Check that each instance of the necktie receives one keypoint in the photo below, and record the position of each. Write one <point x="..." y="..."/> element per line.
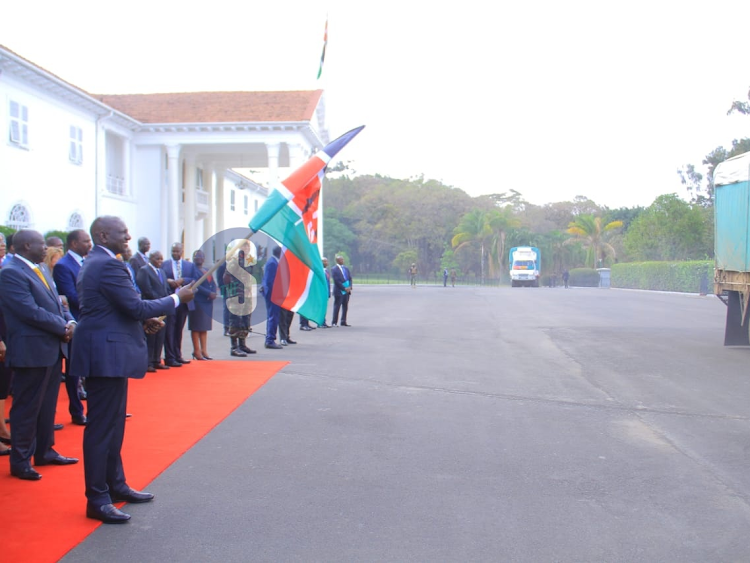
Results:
<point x="161" y="278"/>
<point x="41" y="276"/>
<point x="178" y="268"/>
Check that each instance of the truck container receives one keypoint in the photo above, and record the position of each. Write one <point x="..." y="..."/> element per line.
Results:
<point x="525" y="266"/>
<point x="732" y="245"/>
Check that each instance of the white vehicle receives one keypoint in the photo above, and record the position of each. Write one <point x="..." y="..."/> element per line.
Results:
<point x="524" y="264"/>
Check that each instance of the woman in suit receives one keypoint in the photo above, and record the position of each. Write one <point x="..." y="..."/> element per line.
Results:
<point x="201" y="309"/>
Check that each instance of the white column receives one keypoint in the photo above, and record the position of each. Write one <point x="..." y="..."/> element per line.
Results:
<point x="273" y="163"/>
<point x="221" y="202"/>
<point x="208" y="185"/>
<point x="174" y="200"/>
<point x="189" y="182"/>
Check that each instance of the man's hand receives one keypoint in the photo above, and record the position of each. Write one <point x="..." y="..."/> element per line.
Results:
<point x="2" y="351"/>
<point x="69" y="329"/>
<point x="186" y="293"/>
<point x="153" y="325"/>
<point x="211" y="296"/>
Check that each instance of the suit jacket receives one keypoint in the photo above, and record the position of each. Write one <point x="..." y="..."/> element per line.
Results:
<point x="65" y="274"/>
<point x="137" y="261"/>
<point x="109" y="340"/>
<point x="188" y="272"/>
<point x="339" y="278"/>
<point x="269" y="276"/>
<point x="151" y="286"/>
<point x="34" y="317"/>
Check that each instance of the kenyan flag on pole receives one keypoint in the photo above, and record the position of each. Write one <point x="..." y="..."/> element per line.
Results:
<point x="290" y="216"/>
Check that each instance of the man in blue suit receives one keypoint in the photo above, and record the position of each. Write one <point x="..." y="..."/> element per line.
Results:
<point x="110" y="347"/>
<point x="179" y="273"/>
<point x="273" y="310"/>
<point x="38" y="332"/>
<point x="65" y="274"/>
<point x="342" y="289"/>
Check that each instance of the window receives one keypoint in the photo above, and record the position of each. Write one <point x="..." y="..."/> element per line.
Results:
<point x="231" y="201"/>
<point x="75" y="152"/>
<point x="256" y="205"/>
<point x="116" y="164"/>
<point x="199" y="178"/>
<point x="246" y="201"/>
<point x="19" y="124"/>
<point x="19" y="217"/>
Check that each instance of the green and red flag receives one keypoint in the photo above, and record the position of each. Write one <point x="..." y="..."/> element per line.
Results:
<point x="290" y="216"/>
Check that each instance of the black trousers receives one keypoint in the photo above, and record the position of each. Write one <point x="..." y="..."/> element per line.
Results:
<point x="173" y="338"/>
<point x="285" y="323"/>
<point x="102" y="438"/>
<point x="75" y="406"/>
<point x="155" y="345"/>
<point x="340" y="302"/>
<point x="32" y="414"/>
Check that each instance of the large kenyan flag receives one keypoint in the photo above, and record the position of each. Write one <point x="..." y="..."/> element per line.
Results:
<point x="290" y="216"/>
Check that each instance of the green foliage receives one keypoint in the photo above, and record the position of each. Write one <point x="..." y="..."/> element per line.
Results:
<point x="594" y="235"/>
<point x="404" y="260"/>
<point x="663" y="276"/>
<point x="703" y="195"/>
<point x="62" y="235"/>
<point x="7" y="230"/>
<point x="336" y="235"/>
<point x="584" y="277"/>
<point x="448" y="260"/>
<point x="670" y="229"/>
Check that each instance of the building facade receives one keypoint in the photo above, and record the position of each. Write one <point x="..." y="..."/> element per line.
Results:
<point x="175" y="167"/>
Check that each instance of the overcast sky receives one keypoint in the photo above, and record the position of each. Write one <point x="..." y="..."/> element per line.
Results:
<point x="553" y="99"/>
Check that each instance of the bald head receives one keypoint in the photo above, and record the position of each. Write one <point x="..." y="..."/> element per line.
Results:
<point x="111" y="233"/>
<point x="30" y="244"/>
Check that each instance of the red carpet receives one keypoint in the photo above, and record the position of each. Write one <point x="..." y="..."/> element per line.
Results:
<point x="200" y="396"/>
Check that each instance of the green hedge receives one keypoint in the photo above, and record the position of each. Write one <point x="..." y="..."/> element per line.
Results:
<point x="687" y="277"/>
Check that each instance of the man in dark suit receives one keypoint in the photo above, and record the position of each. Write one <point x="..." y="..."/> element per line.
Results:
<point x="110" y="348"/>
<point x="141" y="257"/>
<point x="273" y="310"/>
<point x="65" y="274"/>
<point x="153" y="283"/>
<point x="342" y="289"/>
<point x="179" y="273"/>
<point x="38" y="332"/>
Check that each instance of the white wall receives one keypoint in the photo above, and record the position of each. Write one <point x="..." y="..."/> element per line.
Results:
<point x="42" y="177"/>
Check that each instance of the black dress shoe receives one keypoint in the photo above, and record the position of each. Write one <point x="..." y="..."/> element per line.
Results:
<point x="161" y="366"/>
<point x="290" y="341"/>
<point x="324" y="326"/>
<point x="80" y="420"/>
<point x="58" y="427"/>
<point x="27" y="474"/>
<point x="107" y="513"/>
<point x="151" y="369"/>
<point x="246" y="349"/>
<point x="132" y="496"/>
<point x="174" y="365"/>
<point x="305" y="328"/>
<point x="237" y="353"/>
<point x="5" y="441"/>
<point x="59" y="460"/>
<point x="6" y="451"/>
<point x="345" y="324"/>
<point x="183" y="361"/>
<point x="274" y="346"/>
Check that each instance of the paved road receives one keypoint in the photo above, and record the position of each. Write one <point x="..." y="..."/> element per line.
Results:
<point x="472" y="424"/>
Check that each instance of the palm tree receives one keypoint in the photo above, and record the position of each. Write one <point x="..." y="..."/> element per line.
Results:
<point x="588" y="230"/>
<point x="473" y="230"/>
<point x="500" y="222"/>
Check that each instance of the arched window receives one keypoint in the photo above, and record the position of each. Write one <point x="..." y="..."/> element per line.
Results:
<point x="19" y="217"/>
<point x="75" y="222"/>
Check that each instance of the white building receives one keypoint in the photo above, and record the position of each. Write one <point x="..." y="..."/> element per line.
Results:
<point x="171" y="165"/>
